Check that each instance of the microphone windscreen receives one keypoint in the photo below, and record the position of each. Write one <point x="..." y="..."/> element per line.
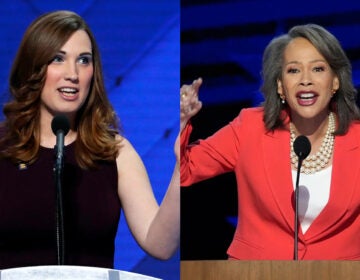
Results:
<point x="302" y="147"/>
<point x="60" y="122"/>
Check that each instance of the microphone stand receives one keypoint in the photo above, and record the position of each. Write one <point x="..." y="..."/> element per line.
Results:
<point x="296" y="225"/>
<point x="59" y="201"/>
<point x="302" y="148"/>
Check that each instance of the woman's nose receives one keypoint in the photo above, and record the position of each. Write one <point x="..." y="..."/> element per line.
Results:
<point x="72" y="73"/>
<point x="306" y="78"/>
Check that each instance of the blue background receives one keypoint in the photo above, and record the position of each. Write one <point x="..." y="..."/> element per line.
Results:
<point x="139" y="44"/>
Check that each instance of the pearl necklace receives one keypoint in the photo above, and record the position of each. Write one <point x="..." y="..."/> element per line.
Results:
<point x="318" y="161"/>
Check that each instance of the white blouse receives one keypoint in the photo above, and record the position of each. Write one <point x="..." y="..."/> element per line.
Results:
<point x="314" y="192"/>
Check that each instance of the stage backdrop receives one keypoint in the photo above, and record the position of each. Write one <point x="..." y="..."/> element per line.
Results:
<point x="139" y="43"/>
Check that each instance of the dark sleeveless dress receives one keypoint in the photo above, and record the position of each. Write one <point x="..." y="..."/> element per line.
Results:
<point x="27" y="212"/>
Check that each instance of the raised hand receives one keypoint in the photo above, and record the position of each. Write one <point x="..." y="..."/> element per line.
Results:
<point x="190" y="104"/>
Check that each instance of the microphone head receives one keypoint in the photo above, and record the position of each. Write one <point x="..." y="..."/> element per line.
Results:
<point x="302" y="147"/>
<point x="60" y="122"/>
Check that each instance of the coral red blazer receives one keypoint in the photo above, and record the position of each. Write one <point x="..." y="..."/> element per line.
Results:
<point x="261" y="162"/>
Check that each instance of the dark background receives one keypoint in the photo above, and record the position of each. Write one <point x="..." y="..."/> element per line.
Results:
<point x="223" y="42"/>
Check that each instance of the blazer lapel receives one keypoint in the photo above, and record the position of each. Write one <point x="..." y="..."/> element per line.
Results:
<point x="276" y="151"/>
<point x="345" y="172"/>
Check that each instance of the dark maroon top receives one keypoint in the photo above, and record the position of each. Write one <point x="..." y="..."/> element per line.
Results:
<point x="27" y="212"/>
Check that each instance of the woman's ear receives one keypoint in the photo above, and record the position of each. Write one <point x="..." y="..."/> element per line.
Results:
<point x="336" y="84"/>
<point x="279" y="87"/>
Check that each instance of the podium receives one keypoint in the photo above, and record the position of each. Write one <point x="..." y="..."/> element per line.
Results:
<point x="63" y="272"/>
<point x="269" y="270"/>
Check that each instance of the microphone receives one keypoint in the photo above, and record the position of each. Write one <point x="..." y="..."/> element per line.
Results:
<point x="60" y="126"/>
<point x="302" y="148"/>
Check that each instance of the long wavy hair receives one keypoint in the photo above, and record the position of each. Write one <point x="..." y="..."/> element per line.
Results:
<point x="343" y="102"/>
<point x="96" y="122"/>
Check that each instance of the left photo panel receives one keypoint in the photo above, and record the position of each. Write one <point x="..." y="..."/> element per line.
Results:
<point x="89" y="173"/>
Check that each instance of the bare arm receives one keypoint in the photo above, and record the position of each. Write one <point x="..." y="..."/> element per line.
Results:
<point x="155" y="228"/>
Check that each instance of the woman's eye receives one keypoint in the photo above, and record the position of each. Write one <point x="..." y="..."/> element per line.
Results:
<point x="57" y="58"/>
<point x="319" y="69"/>
<point x="292" y="70"/>
<point x="85" y="60"/>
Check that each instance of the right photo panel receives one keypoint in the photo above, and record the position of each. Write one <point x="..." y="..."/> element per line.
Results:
<point x="270" y="139"/>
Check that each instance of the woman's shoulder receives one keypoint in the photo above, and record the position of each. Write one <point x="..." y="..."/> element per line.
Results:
<point x="354" y="127"/>
<point x="249" y="121"/>
<point x="124" y="145"/>
<point x="253" y="115"/>
<point x="352" y="134"/>
<point x="253" y="112"/>
<point x="121" y="140"/>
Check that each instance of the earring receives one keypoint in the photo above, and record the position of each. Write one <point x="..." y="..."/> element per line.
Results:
<point x="333" y="92"/>
<point x="282" y="99"/>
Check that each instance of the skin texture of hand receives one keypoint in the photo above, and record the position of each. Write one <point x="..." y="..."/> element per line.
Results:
<point x="190" y="104"/>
